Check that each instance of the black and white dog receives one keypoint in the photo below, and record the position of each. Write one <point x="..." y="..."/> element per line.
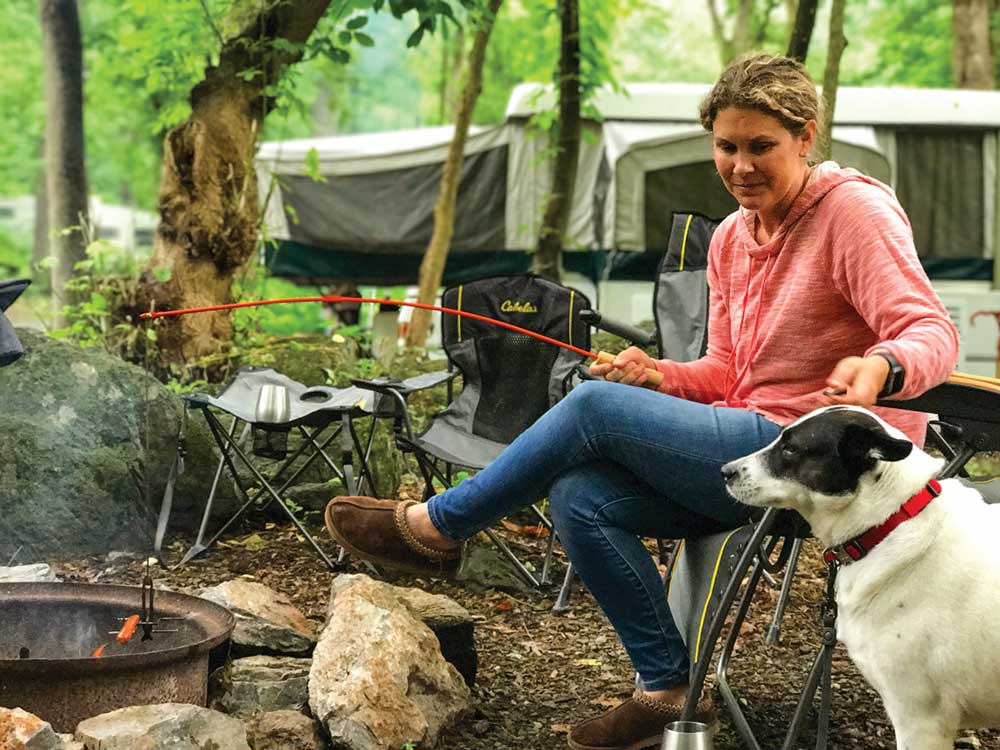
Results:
<point x="918" y="595"/>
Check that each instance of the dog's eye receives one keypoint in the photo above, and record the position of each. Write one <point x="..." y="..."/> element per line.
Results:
<point x="789" y="450"/>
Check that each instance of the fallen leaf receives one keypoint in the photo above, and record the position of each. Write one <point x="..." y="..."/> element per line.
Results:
<point x="561" y="728"/>
<point x="587" y="662"/>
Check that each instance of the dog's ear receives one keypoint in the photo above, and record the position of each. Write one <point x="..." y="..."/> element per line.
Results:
<point x="868" y="443"/>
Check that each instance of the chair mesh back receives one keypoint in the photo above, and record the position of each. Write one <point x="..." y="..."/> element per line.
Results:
<point x="515" y="370"/>
<point x="511" y="379"/>
<point x="680" y="300"/>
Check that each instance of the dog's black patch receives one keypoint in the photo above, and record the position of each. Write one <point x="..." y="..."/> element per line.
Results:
<point x="830" y="452"/>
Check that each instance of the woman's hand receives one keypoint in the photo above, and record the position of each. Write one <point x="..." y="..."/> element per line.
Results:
<point x="629" y="367"/>
<point x="857" y="381"/>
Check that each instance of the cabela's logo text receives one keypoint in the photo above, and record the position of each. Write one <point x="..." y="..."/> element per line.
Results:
<point x="518" y="307"/>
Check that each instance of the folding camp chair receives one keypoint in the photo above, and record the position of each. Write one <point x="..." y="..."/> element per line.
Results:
<point x="10" y="346"/>
<point x="266" y="407"/>
<point x="509" y="380"/>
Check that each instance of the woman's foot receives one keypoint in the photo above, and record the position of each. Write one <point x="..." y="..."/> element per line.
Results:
<point x="637" y="723"/>
<point x="380" y="531"/>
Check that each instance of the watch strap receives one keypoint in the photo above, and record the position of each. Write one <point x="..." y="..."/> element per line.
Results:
<point x="894" y="380"/>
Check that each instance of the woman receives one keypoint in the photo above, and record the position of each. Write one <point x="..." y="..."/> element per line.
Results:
<point x="816" y="298"/>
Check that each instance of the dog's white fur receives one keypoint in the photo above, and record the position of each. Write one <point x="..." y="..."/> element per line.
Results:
<point x="920" y="614"/>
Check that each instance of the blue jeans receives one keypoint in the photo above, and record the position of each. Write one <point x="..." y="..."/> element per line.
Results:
<point x="618" y="462"/>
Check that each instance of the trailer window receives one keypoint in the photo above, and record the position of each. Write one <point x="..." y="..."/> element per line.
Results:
<point x="940" y="185"/>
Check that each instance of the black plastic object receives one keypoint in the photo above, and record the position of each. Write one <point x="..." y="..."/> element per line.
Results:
<point x="11" y="348"/>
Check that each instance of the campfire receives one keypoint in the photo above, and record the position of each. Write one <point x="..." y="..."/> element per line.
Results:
<point x="47" y="653"/>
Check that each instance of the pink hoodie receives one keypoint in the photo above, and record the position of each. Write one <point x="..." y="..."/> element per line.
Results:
<point x="840" y="277"/>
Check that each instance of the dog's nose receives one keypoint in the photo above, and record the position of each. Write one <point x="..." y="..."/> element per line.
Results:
<point x="730" y="470"/>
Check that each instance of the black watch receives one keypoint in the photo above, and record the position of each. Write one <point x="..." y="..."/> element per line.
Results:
<point x="894" y="380"/>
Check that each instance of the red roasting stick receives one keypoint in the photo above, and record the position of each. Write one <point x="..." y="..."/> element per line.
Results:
<point x="653" y="377"/>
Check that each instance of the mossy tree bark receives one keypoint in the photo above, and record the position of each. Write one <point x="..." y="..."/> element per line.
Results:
<point x="436" y="254"/>
<point x="65" y="166"/>
<point x="548" y="256"/>
<point x="208" y="200"/>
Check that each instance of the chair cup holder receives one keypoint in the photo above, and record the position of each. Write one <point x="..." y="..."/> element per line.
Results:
<point x="687" y="735"/>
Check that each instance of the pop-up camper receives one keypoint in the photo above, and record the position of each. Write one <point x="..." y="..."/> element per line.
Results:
<point x="363" y="209"/>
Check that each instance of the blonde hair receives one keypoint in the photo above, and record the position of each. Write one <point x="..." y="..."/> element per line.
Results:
<point x="778" y="86"/>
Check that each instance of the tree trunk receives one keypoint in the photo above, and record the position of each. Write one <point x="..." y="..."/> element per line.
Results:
<point x="66" y="172"/>
<point x="831" y="77"/>
<point x="557" y="209"/>
<point x="972" y="52"/>
<point x="42" y="244"/>
<point x="432" y="265"/>
<point x="208" y="198"/>
<point x="805" y="20"/>
<point x="732" y="47"/>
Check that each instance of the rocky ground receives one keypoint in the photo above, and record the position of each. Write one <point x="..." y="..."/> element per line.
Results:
<point x="539" y="671"/>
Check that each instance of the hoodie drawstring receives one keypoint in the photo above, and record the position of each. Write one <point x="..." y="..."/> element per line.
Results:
<point x="730" y="390"/>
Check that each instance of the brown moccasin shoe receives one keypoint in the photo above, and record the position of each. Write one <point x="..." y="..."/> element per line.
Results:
<point x="637" y="723"/>
<point x="376" y="531"/>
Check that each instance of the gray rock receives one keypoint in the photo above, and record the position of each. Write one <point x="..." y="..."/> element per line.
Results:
<point x="70" y="744"/>
<point x="378" y="679"/>
<point x="73" y="458"/>
<point x="37" y="573"/>
<point x="20" y="730"/>
<point x="259" y="684"/>
<point x="287" y="730"/>
<point x="166" y="726"/>
<point x="265" y="619"/>
<point x="484" y="568"/>
<point x="431" y="609"/>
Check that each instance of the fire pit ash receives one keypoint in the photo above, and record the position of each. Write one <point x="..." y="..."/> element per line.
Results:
<point x="50" y="632"/>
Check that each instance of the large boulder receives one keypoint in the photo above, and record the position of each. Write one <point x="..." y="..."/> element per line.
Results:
<point x="86" y="444"/>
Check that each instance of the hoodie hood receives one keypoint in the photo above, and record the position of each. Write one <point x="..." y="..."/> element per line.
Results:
<point x="824" y="178"/>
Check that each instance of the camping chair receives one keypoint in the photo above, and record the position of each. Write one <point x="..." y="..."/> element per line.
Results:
<point x="266" y="407"/>
<point x="509" y="380"/>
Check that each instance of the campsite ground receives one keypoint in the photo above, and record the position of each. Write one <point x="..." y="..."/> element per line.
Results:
<point x="539" y="672"/>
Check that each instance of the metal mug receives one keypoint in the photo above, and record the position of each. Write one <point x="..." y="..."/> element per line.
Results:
<point x="273" y="404"/>
<point x="687" y="735"/>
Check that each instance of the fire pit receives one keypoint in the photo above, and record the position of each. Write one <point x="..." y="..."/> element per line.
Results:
<point x="49" y="633"/>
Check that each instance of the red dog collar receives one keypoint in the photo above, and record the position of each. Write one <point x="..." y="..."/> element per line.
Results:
<point x="854" y="549"/>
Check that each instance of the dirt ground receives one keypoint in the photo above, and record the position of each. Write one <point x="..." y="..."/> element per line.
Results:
<point x="540" y="672"/>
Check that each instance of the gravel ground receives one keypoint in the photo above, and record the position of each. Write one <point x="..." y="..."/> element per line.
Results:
<point x="540" y="672"/>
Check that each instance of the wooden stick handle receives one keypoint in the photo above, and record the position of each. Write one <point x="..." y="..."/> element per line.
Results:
<point x="653" y="377"/>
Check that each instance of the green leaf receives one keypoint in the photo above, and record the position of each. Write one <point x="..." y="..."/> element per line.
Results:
<point x="344" y="37"/>
<point x="415" y="37"/>
<point x="357" y="22"/>
<point x="163" y="274"/>
<point x="312" y="168"/>
<point x="363" y="39"/>
<point x="150" y="334"/>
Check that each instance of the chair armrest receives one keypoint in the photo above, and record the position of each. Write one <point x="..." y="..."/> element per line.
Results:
<point x="389" y="385"/>
<point x="961" y="396"/>
<point x="627" y="331"/>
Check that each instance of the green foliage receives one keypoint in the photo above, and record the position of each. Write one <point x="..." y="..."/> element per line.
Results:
<point x="914" y="45"/>
<point x="101" y="283"/>
<point x="253" y="325"/>
<point x="15" y="255"/>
